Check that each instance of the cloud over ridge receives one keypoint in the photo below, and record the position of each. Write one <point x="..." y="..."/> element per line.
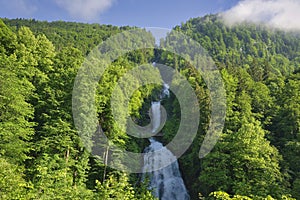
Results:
<point x="85" y="9"/>
<point x="282" y="14"/>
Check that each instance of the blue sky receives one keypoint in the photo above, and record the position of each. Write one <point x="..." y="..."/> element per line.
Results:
<point x="283" y="14"/>
<point x="142" y="13"/>
<point x="162" y="13"/>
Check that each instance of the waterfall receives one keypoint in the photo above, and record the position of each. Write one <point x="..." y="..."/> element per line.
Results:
<point x="155" y="108"/>
<point x="166" y="183"/>
<point x="166" y="91"/>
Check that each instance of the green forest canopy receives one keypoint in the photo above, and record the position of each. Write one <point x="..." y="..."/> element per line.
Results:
<point x="42" y="156"/>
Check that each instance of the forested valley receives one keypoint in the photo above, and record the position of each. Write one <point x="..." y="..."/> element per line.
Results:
<point x="42" y="156"/>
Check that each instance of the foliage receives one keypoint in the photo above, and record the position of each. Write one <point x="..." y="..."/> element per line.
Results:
<point x="43" y="157"/>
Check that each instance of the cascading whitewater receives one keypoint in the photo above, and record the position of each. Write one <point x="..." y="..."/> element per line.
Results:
<point x="166" y="183"/>
<point x="166" y="91"/>
<point x="155" y="108"/>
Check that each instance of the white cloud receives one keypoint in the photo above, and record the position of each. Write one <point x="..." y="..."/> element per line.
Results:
<point x="85" y="9"/>
<point x="20" y="7"/>
<point x="282" y="14"/>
